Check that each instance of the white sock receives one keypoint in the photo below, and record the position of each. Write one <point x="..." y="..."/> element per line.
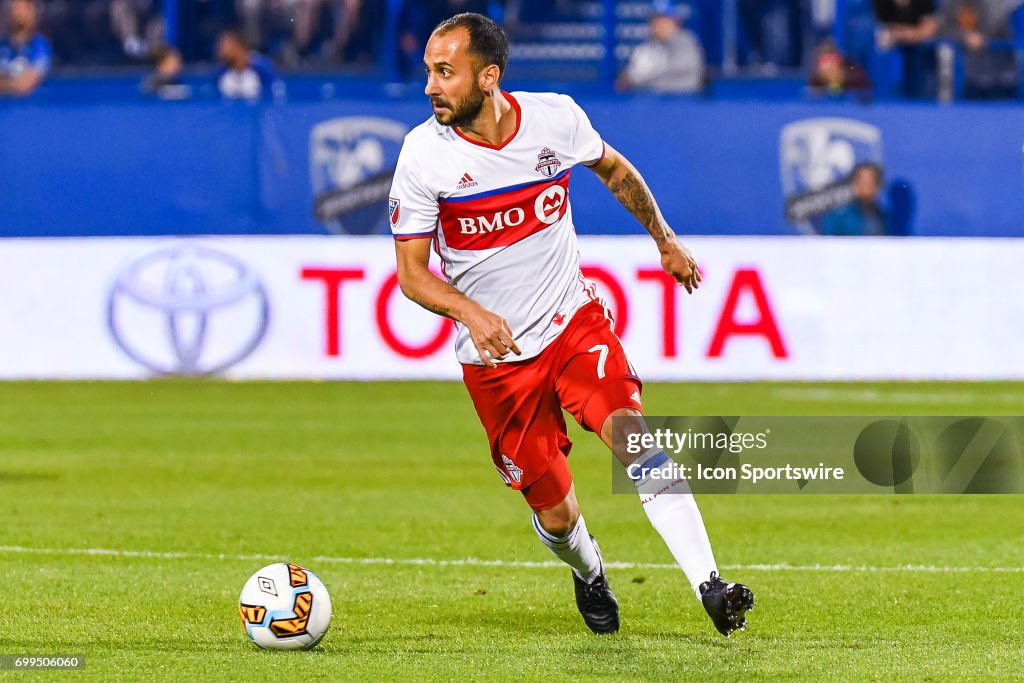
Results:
<point x="673" y="512"/>
<point x="576" y="549"/>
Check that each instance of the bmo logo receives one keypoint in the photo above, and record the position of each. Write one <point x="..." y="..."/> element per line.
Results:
<point x="499" y="221"/>
<point x="548" y="205"/>
<point x="482" y="223"/>
<point x="547" y="209"/>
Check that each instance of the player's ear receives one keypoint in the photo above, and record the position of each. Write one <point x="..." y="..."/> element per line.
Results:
<point x="489" y="77"/>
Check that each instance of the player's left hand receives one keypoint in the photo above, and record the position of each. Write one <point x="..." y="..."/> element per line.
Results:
<point x="678" y="262"/>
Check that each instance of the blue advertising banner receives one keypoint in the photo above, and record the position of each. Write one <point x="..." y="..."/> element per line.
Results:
<point x="165" y="168"/>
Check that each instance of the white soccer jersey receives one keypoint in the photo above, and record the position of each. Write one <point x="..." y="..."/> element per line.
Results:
<point x="500" y="217"/>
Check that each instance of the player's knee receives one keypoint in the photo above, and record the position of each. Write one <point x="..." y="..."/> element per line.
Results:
<point x="561" y="519"/>
<point x="620" y="424"/>
<point x="631" y="420"/>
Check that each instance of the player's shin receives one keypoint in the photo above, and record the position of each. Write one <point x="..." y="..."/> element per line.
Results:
<point x="576" y="548"/>
<point x="669" y="504"/>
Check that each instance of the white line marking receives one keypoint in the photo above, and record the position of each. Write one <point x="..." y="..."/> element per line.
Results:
<point x="476" y="562"/>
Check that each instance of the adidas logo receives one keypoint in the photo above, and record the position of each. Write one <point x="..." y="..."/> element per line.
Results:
<point x="635" y="396"/>
<point x="466" y="181"/>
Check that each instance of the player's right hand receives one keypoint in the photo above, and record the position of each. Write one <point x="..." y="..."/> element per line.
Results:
<point x="680" y="264"/>
<point x="491" y="336"/>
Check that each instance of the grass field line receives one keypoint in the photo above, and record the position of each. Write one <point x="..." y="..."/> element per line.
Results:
<point x="476" y="562"/>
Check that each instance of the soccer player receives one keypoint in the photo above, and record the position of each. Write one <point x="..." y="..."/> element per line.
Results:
<point x="485" y="182"/>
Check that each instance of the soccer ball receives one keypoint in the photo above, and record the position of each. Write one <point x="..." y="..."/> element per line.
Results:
<point x="285" y="607"/>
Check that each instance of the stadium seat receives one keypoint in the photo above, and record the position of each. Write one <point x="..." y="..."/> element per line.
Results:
<point x="566" y="41"/>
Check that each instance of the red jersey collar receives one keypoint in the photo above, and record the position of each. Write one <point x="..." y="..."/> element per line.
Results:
<point x="519" y="121"/>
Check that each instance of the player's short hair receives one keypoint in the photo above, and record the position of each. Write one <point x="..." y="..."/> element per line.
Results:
<point x="487" y="41"/>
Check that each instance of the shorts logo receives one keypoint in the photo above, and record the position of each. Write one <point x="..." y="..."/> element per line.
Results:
<point x="558" y="318"/>
<point x="635" y="396"/>
<point x="547" y="162"/>
<point x="394" y="207"/>
<point x="514" y="472"/>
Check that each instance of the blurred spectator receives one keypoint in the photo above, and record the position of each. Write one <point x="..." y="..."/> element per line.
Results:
<point x="165" y="81"/>
<point x="417" y="22"/>
<point x="80" y="30"/>
<point x="910" y="26"/>
<point x="245" y="74"/>
<point x="25" y="55"/>
<point x="864" y="215"/>
<point x="345" y="15"/>
<point x="774" y="32"/>
<point x="833" y="73"/>
<point x="989" y="73"/>
<point x="138" y="26"/>
<point x="672" y="59"/>
<point x="297" y="29"/>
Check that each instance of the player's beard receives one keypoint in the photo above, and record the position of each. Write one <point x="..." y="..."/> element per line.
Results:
<point x="463" y="113"/>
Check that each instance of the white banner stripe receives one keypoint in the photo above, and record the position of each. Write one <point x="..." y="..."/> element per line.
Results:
<point x="476" y="562"/>
<point x="770" y="308"/>
<point x="938" y="393"/>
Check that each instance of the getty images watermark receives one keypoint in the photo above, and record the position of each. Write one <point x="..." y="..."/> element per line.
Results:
<point x="821" y="455"/>
<point x="39" y="662"/>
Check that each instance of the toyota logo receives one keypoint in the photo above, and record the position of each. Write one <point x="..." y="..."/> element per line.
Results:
<point x="187" y="310"/>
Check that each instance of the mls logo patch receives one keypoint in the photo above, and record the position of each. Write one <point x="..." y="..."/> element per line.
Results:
<point x="394" y="206"/>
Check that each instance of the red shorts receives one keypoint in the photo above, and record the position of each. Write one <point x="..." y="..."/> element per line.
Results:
<point x="584" y="371"/>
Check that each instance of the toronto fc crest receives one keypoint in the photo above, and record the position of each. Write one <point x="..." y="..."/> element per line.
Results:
<point x="547" y="162"/>
<point x="514" y="472"/>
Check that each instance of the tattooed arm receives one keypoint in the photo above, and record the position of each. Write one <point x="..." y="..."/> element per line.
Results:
<point x="490" y="332"/>
<point x="628" y="186"/>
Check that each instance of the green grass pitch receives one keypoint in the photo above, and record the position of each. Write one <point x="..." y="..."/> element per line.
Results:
<point x="198" y="484"/>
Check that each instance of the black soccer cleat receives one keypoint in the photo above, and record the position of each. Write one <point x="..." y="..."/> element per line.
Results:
<point x="596" y="601"/>
<point x="726" y="603"/>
